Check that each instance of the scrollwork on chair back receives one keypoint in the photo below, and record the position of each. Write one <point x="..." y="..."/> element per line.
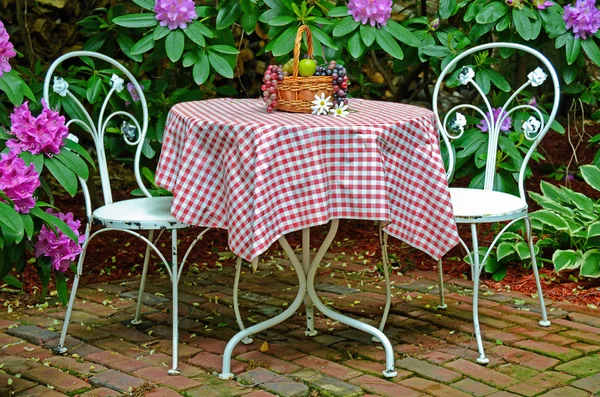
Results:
<point x="534" y="128"/>
<point x="134" y="133"/>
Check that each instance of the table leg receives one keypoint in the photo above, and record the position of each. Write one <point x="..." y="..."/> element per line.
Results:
<point x="226" y="372"/>
<point x="389" y="371"/>
<point x="310" y="316"/>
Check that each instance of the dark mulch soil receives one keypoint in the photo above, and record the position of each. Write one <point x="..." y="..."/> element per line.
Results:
<point x="118" y="256"/>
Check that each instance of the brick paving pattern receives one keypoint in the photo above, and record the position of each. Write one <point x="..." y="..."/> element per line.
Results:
<point x="435" y="350"/>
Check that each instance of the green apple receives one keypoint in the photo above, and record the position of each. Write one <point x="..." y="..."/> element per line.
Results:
<point x="307" y="67"/>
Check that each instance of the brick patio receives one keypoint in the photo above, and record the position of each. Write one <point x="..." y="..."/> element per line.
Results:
<point x="435" y="349"/>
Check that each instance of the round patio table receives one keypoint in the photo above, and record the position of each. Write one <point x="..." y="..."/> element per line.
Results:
<point x="259" y="175"/>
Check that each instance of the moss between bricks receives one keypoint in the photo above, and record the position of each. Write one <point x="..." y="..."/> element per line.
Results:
<point x="80" y="391"/>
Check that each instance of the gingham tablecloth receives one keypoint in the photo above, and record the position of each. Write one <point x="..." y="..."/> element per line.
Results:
<point x="260" y="175"/>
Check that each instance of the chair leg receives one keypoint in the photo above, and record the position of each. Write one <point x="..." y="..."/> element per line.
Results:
<point x="442" y="305"/>
<point x="544" y="322"/>
<point x="308" y="304"/>
<point x="388" y="289"/>
<point x="236" y="308"/>
<point x="61" y="348"/>
<point x="138" y="309"/>
<point x="175" y="282"/>
<point x="476" y="272"/>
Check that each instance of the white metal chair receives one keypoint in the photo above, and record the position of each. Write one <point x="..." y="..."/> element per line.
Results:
<point x="129" y="216"/>
<point x="475" y="206"/>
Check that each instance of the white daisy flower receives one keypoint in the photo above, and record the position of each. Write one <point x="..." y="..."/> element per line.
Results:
<point x="339" y="110"/>
<point x="321" y="104"/>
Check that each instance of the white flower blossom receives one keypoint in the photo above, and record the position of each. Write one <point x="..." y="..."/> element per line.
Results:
<point x="339" y="110"/>
<point x="321" y="105"/>
<point x="537" y="77"/>
<point x="466" y="75"/>
<point x="531" y="126"/>
<point x="60" y="86"/>
<point x="117" y="83"/>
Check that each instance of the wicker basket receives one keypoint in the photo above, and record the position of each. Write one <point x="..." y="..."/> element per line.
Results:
<point x="294" y="93"/>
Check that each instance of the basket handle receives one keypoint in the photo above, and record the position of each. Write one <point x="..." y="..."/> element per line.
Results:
<point x="297" y="45"/>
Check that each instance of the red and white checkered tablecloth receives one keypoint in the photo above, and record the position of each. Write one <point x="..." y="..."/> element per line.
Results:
<point x="260" y="175"/>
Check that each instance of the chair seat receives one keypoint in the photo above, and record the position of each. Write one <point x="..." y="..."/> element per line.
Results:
<point x="477" y="205"/>
<point x="148" y="213"/>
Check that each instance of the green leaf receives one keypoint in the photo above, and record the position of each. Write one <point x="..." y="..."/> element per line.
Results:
<point x="229" y="12"/>
<point x="573" y="48"/>
<point x="147" y="4"/>
<point x="54" y="222"/>
<point x="76" y="147"/>
<point x="249" y="20"/>
<point x="12" y="86"/>
<point x="566" y="259"/>
<point x="401" y="34"/>
<point x="500" y="274"/>
<point x="95" y="42"/>
<point x="591" y="50"/>
<point x="63" y="175"/>
<point x="225" y="49"/>
<point x="12" y="281"/>
<point x="126" y="44"/>
<point x="388" y="44"/>
<point x="552" y="192"/>
<point x="94" y="89"/>
<point x="550" y="218"/>
<point x="11" y="222"/>
<point x="504" y="249"/>
<point x="523" y="250"/>
<point x="323" y="38"/>
<point x="284" y="44"/>
<point x="437" y="51"/>
<point x="145" y="44"/>
<point x="28" y="225"/>
<point x="345" y="26"/>
<point x="355" y="45"/>
<point x="161" y="32"/>
<point x="36" y="159"/>
<point x="593" y="230"/>
<point x="174" y="44"/>
<point x="508" y="147"/>
<point x="590" y="266"/>
<point x="338" y="12"/>
<point x="144" y="20"/>
<point x="282" y="20"/>
<point x="73" y="162"/>
<point x="498" y="80"/>
<point x="367" y="33"/>
<point x="220" y="65"/>
<point x="581" y="201"/>
<point x="591" y="174"/>
<point x="491" y="12"/>
<point x="522" y="24"/>
<point x="447" y="8"/>
<point x="194" y="32"/>
<point x="61" y="287"/>
<point x="201" y="69"/>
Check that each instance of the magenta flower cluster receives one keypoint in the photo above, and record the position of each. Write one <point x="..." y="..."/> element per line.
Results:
<point x="583" y="18"/>
<point x="133" y="92"/>
<point x="6" y="50"/>
<point x="59" y="248"/>
<point x="45" y="133"/>
<point x="498" y="113"/>
<point x="376" y="12"/>
<point x="175" y="13"/>
<point x="542" y="4"/>
<point x="18" y="181"/>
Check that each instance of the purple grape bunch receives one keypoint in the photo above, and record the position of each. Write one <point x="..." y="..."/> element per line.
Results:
<point x="273" y="75"/>
<point x="339" y="80"/>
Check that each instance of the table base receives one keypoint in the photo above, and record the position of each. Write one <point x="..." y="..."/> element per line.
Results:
<point x="306" y="292"/>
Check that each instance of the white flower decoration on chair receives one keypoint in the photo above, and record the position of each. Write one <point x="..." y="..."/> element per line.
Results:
<point x="466" y="75"/>
<point x="321" y="105"/>
<point x="129" y="131"/>
<point x="459" y="123"/>
<point x="117" y="83"/>
<point x="339" y="110"/>
<point x="537" y="77"/>
<point x="531" y="126"/>
<point x="60" y="86"/>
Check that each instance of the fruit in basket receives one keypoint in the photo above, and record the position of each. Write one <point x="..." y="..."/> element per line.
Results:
<point x="339" y="80"/>
<point x="273" y="75"/>
<point x="288" y="67"/>
<point x="307" y="67"/>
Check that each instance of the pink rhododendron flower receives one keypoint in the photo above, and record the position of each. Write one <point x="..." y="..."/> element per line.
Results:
<point x="59" y="248"/>
<point x="542" y="4"/>
<point x="372" y="11"/>
<point x="175" y="13"/>
<point x="6" y="50"/>
<point x="18" y="181"/>
<point x="583" y="18"/>
<point x="134" y="93"/>
<point x="45" y="133"/>
<point x="498" y="113"/>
